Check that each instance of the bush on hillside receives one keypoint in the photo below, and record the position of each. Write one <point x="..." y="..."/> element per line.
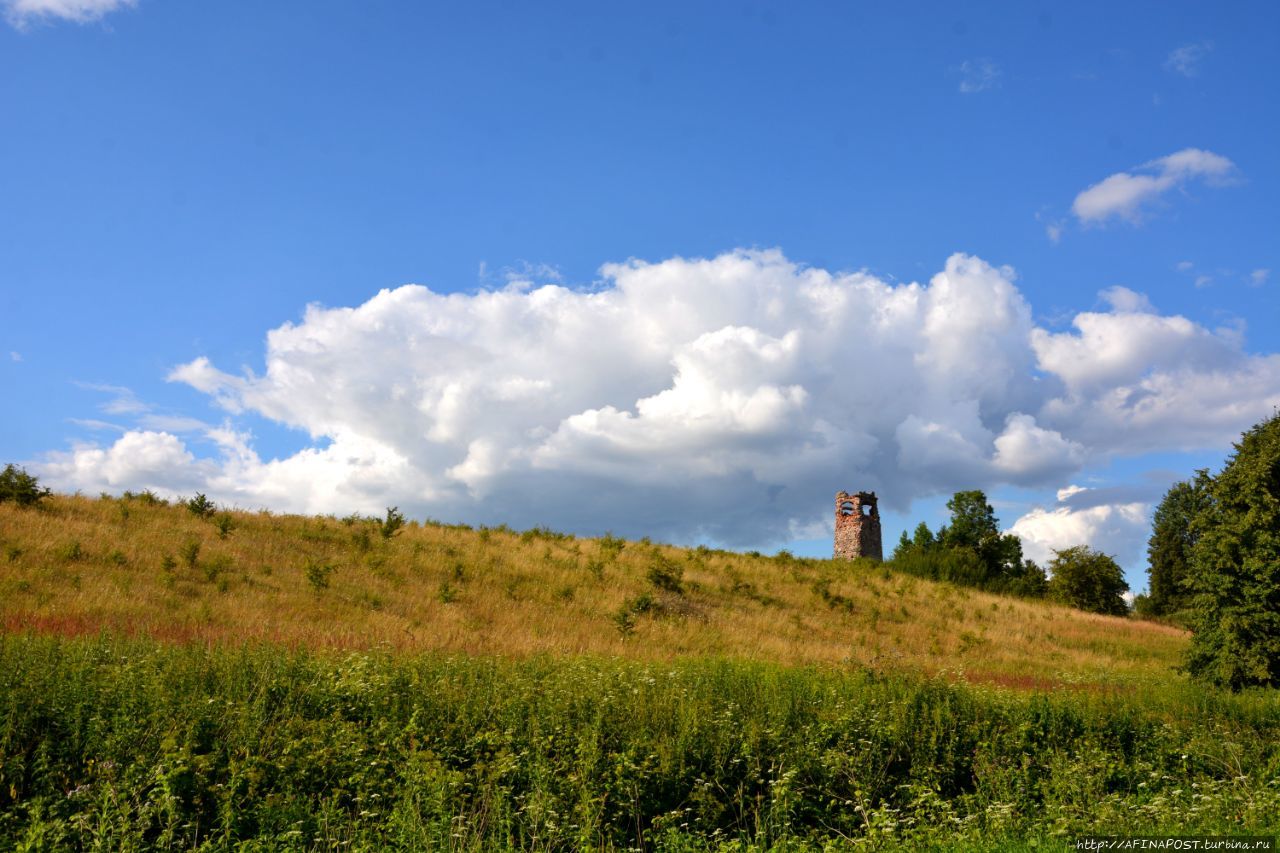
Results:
<point x="201" y="506"/>
<point x="1089" y="580"/>
<point x="20" y="487"/>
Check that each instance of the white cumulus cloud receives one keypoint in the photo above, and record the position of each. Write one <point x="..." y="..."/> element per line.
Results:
<point x="1116" y="529"/>
<point x="726" y="398"/>
<point x="1124" y="194"/>
<point x="21" y="13"/>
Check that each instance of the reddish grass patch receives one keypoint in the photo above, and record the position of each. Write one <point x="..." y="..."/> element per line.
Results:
<point x="1016" y="682"/>
<point x="61" y="625"/>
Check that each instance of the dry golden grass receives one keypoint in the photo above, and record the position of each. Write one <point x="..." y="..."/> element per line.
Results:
<point x="80" y="565"/>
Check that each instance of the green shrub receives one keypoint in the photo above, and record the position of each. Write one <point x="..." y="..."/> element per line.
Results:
<point x="190" y="553"/>
<point x="392" y="523"/>
<point x="611" y="546"/>
<point x="215" y="568"/>
<point x="224" y="523"/>
<point x="665" y="574"/>
<point x="145" y="497"/>
<point x="317" y="573"/>
<point x="69" y="552"/>
<point x="625" y="620"/>
<point x="200" y="506"/>
<point x="1089" y="580"/>
<point x="20" y="487"/>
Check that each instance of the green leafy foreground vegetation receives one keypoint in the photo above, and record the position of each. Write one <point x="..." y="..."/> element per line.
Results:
<point x="122" y="744"/>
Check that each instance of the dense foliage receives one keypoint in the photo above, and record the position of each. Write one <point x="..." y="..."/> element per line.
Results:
<point x="1089" y="580"/>
<point x="970" y="551"/>
<point x="117" y="745"/>
<point x="20" y="487"/>
<point x="1235" y="574"/>
<point x="1173" y="539"/>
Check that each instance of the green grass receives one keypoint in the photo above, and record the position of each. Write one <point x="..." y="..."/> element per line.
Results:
<point x="130" y="744"/>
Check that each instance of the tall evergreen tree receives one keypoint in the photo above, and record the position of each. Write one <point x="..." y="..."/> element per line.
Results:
<point x="974" y="526"/>
<point x="1236" y="567"/>
<point x="1173" y="539"/>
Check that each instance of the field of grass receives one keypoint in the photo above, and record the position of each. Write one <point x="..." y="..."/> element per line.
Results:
<point x="249" y="681"/>
<point x="79" y="566"/>
<point x="118" y="744"/>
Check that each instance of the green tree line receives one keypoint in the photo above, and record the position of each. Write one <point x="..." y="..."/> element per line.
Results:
<point x="1214" y="563"/>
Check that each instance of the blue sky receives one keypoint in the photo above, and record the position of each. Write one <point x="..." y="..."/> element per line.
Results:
<point x="179" y="179"/>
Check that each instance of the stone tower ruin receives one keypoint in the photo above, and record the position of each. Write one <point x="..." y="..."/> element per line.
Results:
<point x="857" y="526"/>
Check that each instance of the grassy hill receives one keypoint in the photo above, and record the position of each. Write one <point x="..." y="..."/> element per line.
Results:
<point x="81" y="566"/>
<point x="249" y="681"/>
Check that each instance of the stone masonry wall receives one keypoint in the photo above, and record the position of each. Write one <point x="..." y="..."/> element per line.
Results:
<point x="857" y="526"/>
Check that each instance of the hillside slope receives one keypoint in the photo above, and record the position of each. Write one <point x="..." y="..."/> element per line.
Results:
<point x="79" y="565"/>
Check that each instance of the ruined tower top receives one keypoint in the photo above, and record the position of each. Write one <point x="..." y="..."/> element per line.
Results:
<point x="857" y="526"/>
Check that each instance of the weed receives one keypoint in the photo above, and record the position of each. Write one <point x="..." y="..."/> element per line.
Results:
<point x="665" y="574"/>
<point x="447" y="593"/>
<point x="216" y="567"/>
<point x="625" y="621"/>
<point x="625" y="617"/>
<point x="317" y="573"/>
<point x="117" y="557"/>
<point x="146" y="497"/>
<point x="69" y="552"/>
<point x="833" y="600"/>
<point x="190" y="553"/>
<point x="611" y="546"/>
<point x="224" y="523"/>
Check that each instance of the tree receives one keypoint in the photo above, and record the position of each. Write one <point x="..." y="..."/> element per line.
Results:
<point x="1235" y="567"/>
<point x="20" y="487"/>
<point x="1089" y="580"/>
<point x="923" y="538"/>
<point x="973" y="521"/>
<point x="1173" y="538"/>
<point x="971" y="550"/>
<point x="974" y="525"/>
<point x="921" y="542"/>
